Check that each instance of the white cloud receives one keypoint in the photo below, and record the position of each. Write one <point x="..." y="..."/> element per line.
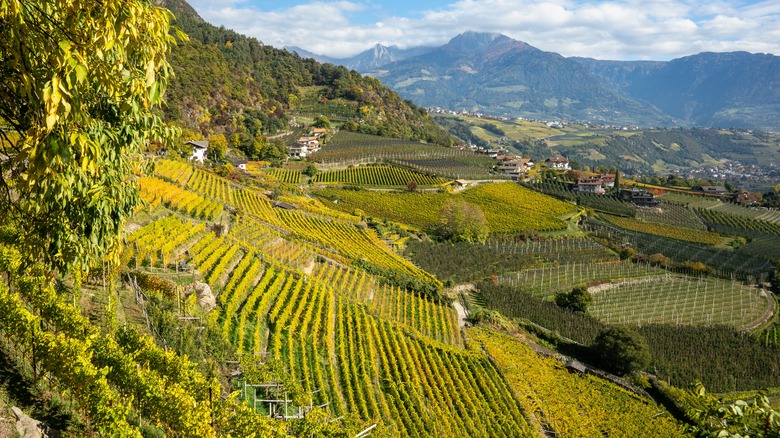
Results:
<point x="611" y="29"/>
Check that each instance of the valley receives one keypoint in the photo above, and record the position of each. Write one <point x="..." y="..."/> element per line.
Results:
<point x="282" y="247"/>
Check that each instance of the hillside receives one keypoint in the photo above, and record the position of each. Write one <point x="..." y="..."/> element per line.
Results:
<point x="734" y="89"/>
<point x="226" y="83"/>
<point x="636" y="151"/>
<point x="368" y="290"/>
<point x="496" y="74"/>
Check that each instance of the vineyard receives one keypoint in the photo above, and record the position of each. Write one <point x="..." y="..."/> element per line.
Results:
<point x="156" y="191"/>
<point x="663" y="230"/>
<point x="177" y="172"/>
<point x="466" y="262"/>
<point x="740" y="262"/>
<point x="549" y="280"/>
<point x="382" y="176"/>
<point x="117" y="377"/>
<point x="508" y="208"/>
<point x="722" y="358"/>
<point x="289" y="176"/>
<point x="340" y="330"/>
<point x="717" y="217"/>
<point x="673" y="215"/>
<point x="680" y="300"/>
<point x="565" y="404"/>
<point x="349" y="148"/>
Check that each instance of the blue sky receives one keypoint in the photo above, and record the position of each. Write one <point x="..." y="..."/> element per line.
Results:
<point x="603" y="29"/>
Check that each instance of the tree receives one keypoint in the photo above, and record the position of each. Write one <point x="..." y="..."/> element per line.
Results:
<point x="463" y="222"/>
<point x="621" y="350"/>
<point x="218" y="146"/>
<point x="411" y="185"/>
<point x="79" y="82"/>
<point x="321" y="122"/>
<point x="310" y="170"/>
<point x="578" y="299"/>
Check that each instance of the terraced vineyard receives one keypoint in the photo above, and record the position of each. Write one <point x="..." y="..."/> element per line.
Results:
<point x="178" y="172"/>
<point x="155" y="191"/>
<point x="382" y="176"/>
<point x="290" y="176"/>
<point x="384" y="354"/>
<point x="564" y="404"/>
<point x="210" y="185"/>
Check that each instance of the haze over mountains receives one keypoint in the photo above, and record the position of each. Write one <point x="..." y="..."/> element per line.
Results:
<point x="498" y="75"/>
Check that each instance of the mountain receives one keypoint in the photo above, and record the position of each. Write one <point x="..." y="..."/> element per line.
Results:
<point x="493" y="73"/>
<point x="365" y="61"/>
<point x="227" y="83"/>
<point x="736" y="89"/>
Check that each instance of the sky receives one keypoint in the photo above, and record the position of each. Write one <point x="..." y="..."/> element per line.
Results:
<point x="601" y="29"/>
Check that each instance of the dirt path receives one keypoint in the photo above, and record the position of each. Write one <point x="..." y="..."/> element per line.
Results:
<point x="456" y="292"/>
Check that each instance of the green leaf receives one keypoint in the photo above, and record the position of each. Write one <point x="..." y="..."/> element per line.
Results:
<point x="81" y="73"/>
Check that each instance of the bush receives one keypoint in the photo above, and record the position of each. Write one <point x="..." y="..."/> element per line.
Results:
<point x="621" y="350"/>
<point x="578" y="299"/>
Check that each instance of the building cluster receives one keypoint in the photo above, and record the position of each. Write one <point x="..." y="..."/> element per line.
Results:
<point x="307" y="145"/>
<point x="596" y="184"/>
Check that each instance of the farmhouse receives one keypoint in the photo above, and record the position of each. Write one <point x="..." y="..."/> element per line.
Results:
<point x="318" y="132"/>
<point x="715" y="190"/>
<point x="241" y="164"/>
<point x="304" y="146"/>
<point x="199" y="150"/>
<point x="640" y="197"/>
<point x="516" y="167"/>
<point x="590" y="184"/>
<point x="560" y="163"/>
<point x="608" y="179"/>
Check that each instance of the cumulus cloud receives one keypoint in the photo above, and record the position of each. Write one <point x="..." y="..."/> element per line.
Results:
<point x="604" y="29"/>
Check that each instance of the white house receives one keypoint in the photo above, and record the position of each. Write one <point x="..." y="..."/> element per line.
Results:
<point x="199" y="150"/>
<point x="560" y="163"/>
<point x="304" y="146"/>
<point x="591" y="184"/>
<point x="515" y="168"/>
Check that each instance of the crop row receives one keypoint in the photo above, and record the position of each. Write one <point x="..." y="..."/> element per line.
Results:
<point x="565" y="404"/>
<point x="723" y="259"/>
<point x="670" y="231"/>
<point x="155" y="191"/>
<point x="210" y="185"/>
<point x="377" y="176"/>
<point x="717" y="217"/>
<point x="178" y="172"/>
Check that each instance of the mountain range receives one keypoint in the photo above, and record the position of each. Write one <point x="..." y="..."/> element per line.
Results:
<point x="495" y="74"/>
